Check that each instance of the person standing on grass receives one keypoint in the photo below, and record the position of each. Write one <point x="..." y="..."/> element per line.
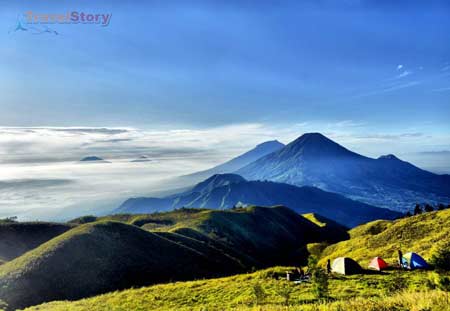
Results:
<point x="400" y="259"/>
<point x="328" y="266"/>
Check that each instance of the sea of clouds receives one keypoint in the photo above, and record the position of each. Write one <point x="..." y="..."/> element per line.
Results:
<point x="42" y="178"/>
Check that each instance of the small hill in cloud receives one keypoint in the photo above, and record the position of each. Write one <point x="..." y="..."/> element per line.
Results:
<point x="93" y="159"/>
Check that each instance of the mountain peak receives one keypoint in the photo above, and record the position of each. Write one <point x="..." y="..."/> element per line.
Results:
<point x="91" y="158"/>
<point x="389" y="157"/>
<point x="316" y="145"/>
<point x="270" y="143"/>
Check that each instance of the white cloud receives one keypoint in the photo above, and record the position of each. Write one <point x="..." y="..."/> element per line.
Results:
<point x="399" y="67"/>
<point x="44" y="161"/>
<point x="404" y="74"/>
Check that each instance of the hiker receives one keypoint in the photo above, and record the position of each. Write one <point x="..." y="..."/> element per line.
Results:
<point x="400" y="259"/>
<point x="301" y="273"/>
<point x="328" y="266"/>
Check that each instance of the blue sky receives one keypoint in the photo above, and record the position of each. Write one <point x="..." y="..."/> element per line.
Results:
<point x="378" y="68"/>
<point x="194" y="83"/>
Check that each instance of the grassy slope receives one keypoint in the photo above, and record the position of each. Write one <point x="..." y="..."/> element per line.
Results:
<point x="268" y="235"/>
<point x="18" y="238"/>
<point x="105" y="255"/>
<point x="353" y="293"/>
<point x="238" y="292"/>
<point x="100" y="257"/>
<point x="383" y="238"/>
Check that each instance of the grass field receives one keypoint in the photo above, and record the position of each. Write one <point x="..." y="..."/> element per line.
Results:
<point x="358" y="292"/>
<point x="384" y="238"/>
<point x="208" y="234"/>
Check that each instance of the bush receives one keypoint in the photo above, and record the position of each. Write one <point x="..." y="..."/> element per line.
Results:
<point x="428" y="208"/>
<point x="284" y="290"/>
<point x="439" y="281"/>
<point x="395" y="283"/>
<point x="259" y="293"/>
<point x="440" y="255"/>
<point x="319" y="284"/>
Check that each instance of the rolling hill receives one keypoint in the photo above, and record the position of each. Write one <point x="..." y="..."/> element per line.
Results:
<point x="314" y="160"/>
<point x="226" y="190"/>
<point x="117" y="252"/>
<point x="18" y="238"/>
<point x="390" y="290"/>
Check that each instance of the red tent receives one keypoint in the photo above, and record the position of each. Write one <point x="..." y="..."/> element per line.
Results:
<point x="378" y="264"/>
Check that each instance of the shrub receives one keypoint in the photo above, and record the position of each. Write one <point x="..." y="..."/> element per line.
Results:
<point x="395" y="283"/>
<point x="428" y="208"/>
<point x="440" y="255"/>
<point x="319" y="284"/>
<point x="259" y="293"/>
<point x="438" y="281"/>
<point x="284" y="290"/>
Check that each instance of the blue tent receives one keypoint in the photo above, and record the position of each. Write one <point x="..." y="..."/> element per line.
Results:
<point x="414" y="261"/>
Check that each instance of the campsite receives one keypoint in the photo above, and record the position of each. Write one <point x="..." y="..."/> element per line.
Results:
<point x="365" y="278"/>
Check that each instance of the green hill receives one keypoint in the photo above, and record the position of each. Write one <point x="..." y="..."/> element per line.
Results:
<point x="384" y="238"/>
<point x="18" y="238"/>
<point x="391" y="290"/>
<point x="120" y="251"/>
<point x="101" y="257"/>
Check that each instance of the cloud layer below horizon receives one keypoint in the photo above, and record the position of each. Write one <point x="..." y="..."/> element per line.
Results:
<point x="42" y="174"/>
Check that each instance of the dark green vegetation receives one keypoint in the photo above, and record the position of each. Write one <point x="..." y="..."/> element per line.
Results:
<point x="122" y="251"/>
<point x="397" y="290"/>
<point x="18" y="238"/>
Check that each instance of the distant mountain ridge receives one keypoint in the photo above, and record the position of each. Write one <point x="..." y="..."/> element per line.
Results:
<point x="93" y="159"/>
<point x="315" y="160"/>
<point x="238" y="162"/>
<point x="223" y="191"/>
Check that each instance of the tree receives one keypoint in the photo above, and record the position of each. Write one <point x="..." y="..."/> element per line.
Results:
<point x="319" y="282"/>
<point x="319" y="279"/>
<point x="408" y="214"/>
<point x="417" y="209"/>
<point x="440" y="207"/>
<point x="428" y="208"/>
<point x="9" y="219"/>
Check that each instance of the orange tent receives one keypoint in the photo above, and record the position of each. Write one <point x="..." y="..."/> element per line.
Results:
<point x="378" y="264"/>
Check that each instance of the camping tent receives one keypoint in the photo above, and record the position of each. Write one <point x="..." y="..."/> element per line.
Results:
<point x="344" y="265"/>
<point x="378" y="264"/>
<point x="414" y="261"/>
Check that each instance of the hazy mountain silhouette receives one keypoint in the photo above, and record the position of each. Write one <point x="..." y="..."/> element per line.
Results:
<point x="236" y="163"/>
<point x="227" y="190"/>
